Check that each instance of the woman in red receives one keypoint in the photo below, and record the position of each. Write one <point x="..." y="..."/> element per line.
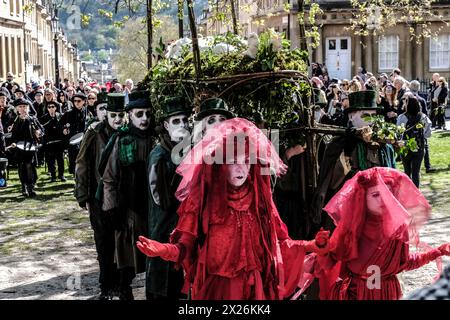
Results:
<point x="377" y="214"/>
<point x="229" y="237"/>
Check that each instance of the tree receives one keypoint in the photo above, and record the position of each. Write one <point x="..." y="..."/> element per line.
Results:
<point x="131" y="58"/>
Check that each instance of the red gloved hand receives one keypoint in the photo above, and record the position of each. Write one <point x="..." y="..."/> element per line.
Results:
<point x="152" y="248"/>
<point x="311" y="246"/>
<point x="445" y="249"/>
<point x="322" y="238"/>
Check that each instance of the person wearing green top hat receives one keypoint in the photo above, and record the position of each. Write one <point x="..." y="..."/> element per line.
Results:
<point x="162" y="280"/>
<point x="125" y="186"/>
<point x="87" y="179"/>
<point x="212" y="111"/>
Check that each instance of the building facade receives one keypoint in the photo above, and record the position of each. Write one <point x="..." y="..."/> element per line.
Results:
<point x="340" y="49"/>
<point x="27" y="43"/>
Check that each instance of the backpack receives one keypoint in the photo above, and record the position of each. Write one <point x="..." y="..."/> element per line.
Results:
<point x="413" y="132"/>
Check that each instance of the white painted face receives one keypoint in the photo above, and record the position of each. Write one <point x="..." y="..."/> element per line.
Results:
<point x="238" y="172"/>
<point x="178" y="127"/>
<point x="212" y="120"/>
<point x="357" y="117"/>
<point x="140" y="118"/>
<point x="115" y="119"/>
<point x="101" y="111"/>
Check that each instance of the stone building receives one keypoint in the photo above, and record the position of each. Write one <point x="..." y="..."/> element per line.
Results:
<point x="340" y="49"/>
<point x="27" y="43"/>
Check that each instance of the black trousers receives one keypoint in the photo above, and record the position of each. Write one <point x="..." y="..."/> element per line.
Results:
<point x="412" y="162"/>
<point x="73" y="153"/>
<point x="54" y="156"/>
<point x="103" y="227"/>
<point x="427" y="156"/>
<point x="27" y="168"/>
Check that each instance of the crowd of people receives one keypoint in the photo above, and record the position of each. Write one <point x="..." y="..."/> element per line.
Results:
<point x="196" y="208"/>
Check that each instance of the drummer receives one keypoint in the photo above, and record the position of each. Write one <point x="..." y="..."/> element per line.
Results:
<point x="53" y="147"/>
<point x="26" y="135"/>
<point x="72" y="123"/>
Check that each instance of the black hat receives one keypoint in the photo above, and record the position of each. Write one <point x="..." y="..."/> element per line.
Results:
<point x="52" y="103"/>
<point x="362" y="100"/>
<point x="139" y="99"/>
<point x="116" y="102"/>
<point x="4" y="93"/>
<point x="79" y="95"/>
<point x="213" y="106"/>
<point x="20" y="90"/>
<point x="39" y="92"/>
<point x="173" y="106"/>
<point x="102" y="97"/>
<point x="20" y="102"/>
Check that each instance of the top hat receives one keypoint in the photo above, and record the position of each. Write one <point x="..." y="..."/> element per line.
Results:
<point x="362" y="100"/>
<point x="173" y="106"/>
<point x="139" y="99"/>
<point x="116" y="102"/>
<point x="102" y="97"/>
<point x="213" y="106"/>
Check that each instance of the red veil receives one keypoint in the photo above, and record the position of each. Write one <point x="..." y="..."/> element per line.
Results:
<point x="404" y="211"/>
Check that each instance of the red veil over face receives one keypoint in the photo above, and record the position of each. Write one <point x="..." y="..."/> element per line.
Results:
<point x="404" y="210"/>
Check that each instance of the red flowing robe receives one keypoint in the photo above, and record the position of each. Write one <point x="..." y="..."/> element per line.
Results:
<point x="354" y="280"/>
<point x="243" y="256"/>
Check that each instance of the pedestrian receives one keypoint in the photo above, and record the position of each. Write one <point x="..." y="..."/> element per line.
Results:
<point x="439" y="103"/>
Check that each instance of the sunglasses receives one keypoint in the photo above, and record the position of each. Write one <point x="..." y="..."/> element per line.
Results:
<point x="77" y="100"/>
<point x="48" y="94"/>
<point x="140" y="114"/>
<point x="92" y="98"/>
<point x="51" y="107"/>
<point x="115" y="114"/>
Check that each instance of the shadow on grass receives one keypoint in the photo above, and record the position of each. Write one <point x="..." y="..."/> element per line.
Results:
<point x="40" y="290"/>
<point x="444" y="134"/>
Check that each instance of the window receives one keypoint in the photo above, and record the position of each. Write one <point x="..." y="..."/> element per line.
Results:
<point x="388" y="52"/>
<point x="344" y="44"/>
<point x="440" y="52"/>
<point x="332" y="44"/>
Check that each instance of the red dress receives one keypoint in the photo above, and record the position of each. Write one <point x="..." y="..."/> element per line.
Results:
<point x="243" y="257"/>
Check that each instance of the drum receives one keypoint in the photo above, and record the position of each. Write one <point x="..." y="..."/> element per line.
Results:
<point x="27" y="146"/>
<point x="76" y="139"/>
<point x="3" y="171"/>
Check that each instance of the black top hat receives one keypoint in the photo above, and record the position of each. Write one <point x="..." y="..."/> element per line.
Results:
<point x="213" y="106"/>
<point x="21" y="102"/>
<point x="102" y="97"/>
<point x="139" y="99"/>
<point x="116" y="102"/>
<point x="173" y="106"/>
<point x="79" y="95"/>
<point x="362" y="100"/>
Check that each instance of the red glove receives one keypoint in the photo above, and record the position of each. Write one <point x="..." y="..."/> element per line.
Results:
<point x="311" y="246"/>
<point x="152" y="248"/>
<point x="322" y="238"/>
<point x="445" y="249"/>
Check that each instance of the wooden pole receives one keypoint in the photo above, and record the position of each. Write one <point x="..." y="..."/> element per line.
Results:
<point x="149" y="35"/>
<point x="234" y="17"/>
<point x="195" y="48"/>
<point x="180" y="19"/>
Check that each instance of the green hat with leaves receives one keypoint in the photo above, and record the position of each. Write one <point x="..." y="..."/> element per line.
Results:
<point x="172" y="106"/>
<point x="116" y="102"/>
<point x="139" y="99"/>
<point x="362" y="100"/>
<point x="213" y="106"/>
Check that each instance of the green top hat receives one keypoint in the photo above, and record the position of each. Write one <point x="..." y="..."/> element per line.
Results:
<point x="116" y="102"/>
<point x="139" y="99"/>
<point x="102" y="97"/>
<point x="362" y="100"/>
<point x="173" y="106"/>
<point x="213" y="106"/>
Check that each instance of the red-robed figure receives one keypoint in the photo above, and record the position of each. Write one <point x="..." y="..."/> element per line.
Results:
<point x="229" y="238"/>
<point x="378" y="215"/>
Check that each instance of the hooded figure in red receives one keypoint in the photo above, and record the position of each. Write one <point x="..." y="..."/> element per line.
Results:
<point x="377" y="214"/>
<point x="229" y="238"/>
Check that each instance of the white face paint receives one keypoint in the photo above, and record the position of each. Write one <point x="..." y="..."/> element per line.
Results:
<point x="212" y="120"/>
<point x="357" y="117"/>
<point x="238" y="172"/>
<point x="178" y="127"/>
<point x="101" y="111"/>
<point x="115" y="119"/>
<point x="140" y="118"/>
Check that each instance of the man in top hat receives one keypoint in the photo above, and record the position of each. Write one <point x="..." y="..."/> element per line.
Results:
<point x="212" y="112"/>
<point x="125" y="186"/>
<point x="26" y="135"/>
<point x="73" y="122"/>
<point x="162" y="280"/>
<point x="346" y="155"/>
<point x="87" y="179"/>
<point x="53" y="147"/>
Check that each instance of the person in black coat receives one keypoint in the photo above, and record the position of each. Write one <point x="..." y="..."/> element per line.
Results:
<point x="27" y="133"/>
<point x="72" y="123"/>
<point x="54" y="150"/>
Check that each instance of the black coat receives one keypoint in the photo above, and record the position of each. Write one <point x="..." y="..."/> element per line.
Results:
<point x="74" y="120"/>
